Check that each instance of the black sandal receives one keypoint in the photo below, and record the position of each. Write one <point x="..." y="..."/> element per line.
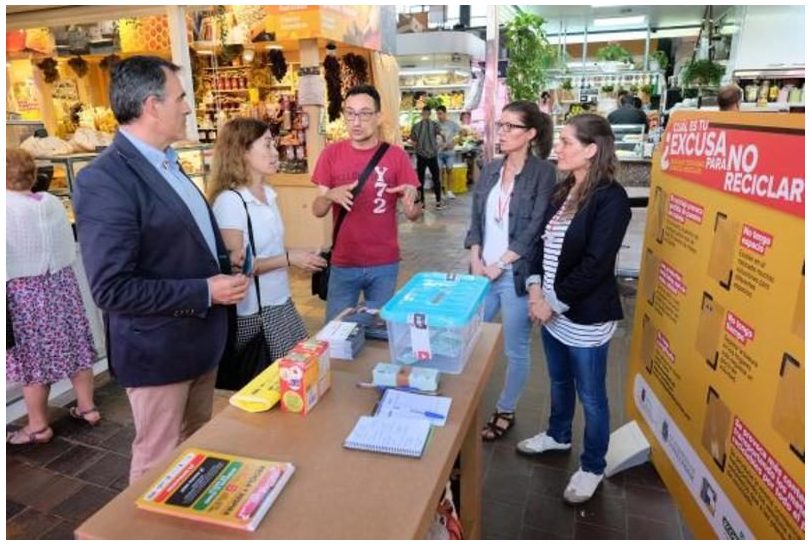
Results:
<point x="499" y="423"/>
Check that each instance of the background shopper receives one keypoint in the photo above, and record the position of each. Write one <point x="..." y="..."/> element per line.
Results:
<point x="447" y="155"/>
<point x="509" y="202"/>
<point x="244" y="158"/>
<point x="427" y="139"/>
<point x="578" y="302"/>
<point x="52" y="337"/>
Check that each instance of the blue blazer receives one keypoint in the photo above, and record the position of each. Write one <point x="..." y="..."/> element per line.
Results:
<point x="586" y="279"/>
<point x="148" y="264"/>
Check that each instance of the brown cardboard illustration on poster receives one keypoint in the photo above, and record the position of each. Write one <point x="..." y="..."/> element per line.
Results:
<point x="650" y="276"/>
<point x="658" y="213"/>
<point x="788" y="410"/>
<point x="798" y="313"/>
<point x="710" y="328"/>
<point x="721" y="260"/>
<point x="716" y="428"/>
<point x="648" y="332"/>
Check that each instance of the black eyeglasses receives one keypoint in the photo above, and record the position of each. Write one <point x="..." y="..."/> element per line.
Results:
<point x="362" y="115"/>
<point x="508" y="127"/>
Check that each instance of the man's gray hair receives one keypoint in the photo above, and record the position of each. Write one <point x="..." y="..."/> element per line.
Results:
<point x="132" y="81"/>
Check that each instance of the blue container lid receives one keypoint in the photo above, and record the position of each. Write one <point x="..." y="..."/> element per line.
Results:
<point x="446" y="300"/>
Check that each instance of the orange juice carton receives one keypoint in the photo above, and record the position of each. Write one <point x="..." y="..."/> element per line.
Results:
<point x="321" y="350"/>
<point x="299" y="382"/>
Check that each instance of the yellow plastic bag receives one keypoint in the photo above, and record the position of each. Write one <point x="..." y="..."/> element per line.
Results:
<point x="261" y="393"/>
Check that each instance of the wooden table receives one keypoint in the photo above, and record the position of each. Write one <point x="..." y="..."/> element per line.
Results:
<point x="335" y="493"/>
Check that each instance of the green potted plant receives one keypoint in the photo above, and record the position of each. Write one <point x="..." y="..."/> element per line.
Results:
<point x="530" y="56"/>
<point x="700" y="73"/>
<point x="659" y="61"/>
<point x="607" y="89"/>
<point x="647" y="89"/>
<point x="567" y="90"/>
<point x="614" y="53"/>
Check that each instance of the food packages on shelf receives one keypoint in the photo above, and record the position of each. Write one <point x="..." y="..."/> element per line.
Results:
<point x="46" y="147"/>
<point x="85" y="139"/>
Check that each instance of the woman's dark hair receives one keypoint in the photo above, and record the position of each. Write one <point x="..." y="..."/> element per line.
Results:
<point x="533" y="118"/>
<point x="591" y="129"/>
<point x="132" y="81"/>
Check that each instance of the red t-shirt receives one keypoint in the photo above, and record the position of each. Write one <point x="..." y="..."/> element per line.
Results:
<point x="368" y="236"/>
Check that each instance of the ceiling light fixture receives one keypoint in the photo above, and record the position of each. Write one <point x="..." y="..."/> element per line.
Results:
<point x="619" y="21"/>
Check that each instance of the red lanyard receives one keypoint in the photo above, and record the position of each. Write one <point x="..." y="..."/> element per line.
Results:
<point x="503" y="204"/>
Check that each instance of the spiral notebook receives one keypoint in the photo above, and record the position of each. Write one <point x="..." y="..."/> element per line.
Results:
<point x="399" y="436"/>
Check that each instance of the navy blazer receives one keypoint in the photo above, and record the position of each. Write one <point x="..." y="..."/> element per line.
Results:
<point x="148" y="265"/>
<point x="532" y="191"/>
<point x="586" y="278"/>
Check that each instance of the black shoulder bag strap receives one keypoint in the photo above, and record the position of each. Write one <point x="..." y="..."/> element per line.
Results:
<point x="252" y="248"/>
<point x="361" y="181"/>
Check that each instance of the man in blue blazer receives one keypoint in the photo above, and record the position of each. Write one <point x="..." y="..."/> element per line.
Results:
<point x="155" y="261"/>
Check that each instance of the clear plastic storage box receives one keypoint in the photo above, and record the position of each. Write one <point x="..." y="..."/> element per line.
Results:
<point x="434" y="320"/>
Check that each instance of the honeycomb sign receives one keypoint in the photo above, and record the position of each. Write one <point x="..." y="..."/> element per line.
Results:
<point x="717" y="363"/>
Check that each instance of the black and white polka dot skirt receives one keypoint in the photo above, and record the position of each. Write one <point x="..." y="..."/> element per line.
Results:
<point x="283" y="328"/>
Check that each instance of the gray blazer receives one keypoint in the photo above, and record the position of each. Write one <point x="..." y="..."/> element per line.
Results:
<point x="530" y="196"/>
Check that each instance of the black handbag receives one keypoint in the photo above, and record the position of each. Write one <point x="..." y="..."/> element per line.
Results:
<point x="238" y="367"/>
<point x="320" y="279"/>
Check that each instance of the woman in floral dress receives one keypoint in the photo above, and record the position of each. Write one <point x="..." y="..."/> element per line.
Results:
<point x="52" y="339"/>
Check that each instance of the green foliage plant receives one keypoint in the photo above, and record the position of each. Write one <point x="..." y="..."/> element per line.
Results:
<point x="530" y="56"/>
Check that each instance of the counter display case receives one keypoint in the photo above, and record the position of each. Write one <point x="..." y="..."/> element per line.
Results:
<point x="195" y="159"/>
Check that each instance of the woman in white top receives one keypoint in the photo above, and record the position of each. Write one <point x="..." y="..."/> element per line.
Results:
<point x="577" y="297"/>
<point x="243" y="160"/>
<point x="52" y="337"/>
<point x="509" y="201"/>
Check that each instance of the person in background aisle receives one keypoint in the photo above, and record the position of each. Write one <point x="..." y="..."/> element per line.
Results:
<point x="366" y="254"/>
<point x="546" y="103"/>
<point x="509" y="202"/>
<point x="155" y="261"/>
<point x="244" y="158"/>
<point x="573" y="293"/>
<point x="728" y="98"/>
<point x="447" y="155"/>
<point x="628" y="114"/>
<point x="52" y="337"/>
<point x="427" y="139"/>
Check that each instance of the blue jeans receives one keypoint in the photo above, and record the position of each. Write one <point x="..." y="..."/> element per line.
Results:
<point x="517" y="329"/>
<point x="447" y="159"/>
<point x="579" y="371"/>
<point x="377" y="283"/>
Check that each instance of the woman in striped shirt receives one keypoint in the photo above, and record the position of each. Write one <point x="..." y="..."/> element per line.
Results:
<point x="577" y="300"/>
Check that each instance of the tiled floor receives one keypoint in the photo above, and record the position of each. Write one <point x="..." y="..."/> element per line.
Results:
<point x="52" y="488"/>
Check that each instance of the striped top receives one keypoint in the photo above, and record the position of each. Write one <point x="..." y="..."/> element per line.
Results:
<point x="560" y="327"/>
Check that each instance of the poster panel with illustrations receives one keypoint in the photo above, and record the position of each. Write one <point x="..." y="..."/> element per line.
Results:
<point x="717" y="364"/>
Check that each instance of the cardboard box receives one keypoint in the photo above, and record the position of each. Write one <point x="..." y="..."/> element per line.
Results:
<point x="299" y="382"/>
<point x="320" y="349"/>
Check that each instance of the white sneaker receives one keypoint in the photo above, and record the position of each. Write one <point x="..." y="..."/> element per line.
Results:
<point x="581" y="486"/>
<point x="539" y="444"/>
<point x="450" y="194"/>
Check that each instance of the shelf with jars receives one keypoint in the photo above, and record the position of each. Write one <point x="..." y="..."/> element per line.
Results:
<point x="771" y="90"/>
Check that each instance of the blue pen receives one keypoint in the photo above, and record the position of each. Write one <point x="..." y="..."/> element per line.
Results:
<point x="429" y="414"/>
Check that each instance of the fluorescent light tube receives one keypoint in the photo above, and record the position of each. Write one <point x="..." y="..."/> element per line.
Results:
<point x="619" y="21"/>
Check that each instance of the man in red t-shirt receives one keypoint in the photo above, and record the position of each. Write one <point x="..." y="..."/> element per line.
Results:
<point x="366" y="253"/>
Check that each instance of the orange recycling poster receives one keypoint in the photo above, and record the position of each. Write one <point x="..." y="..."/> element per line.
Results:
<point x="717" y="364"/>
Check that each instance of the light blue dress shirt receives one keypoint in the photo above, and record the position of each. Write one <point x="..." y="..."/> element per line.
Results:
<point x="165" y="162"/>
